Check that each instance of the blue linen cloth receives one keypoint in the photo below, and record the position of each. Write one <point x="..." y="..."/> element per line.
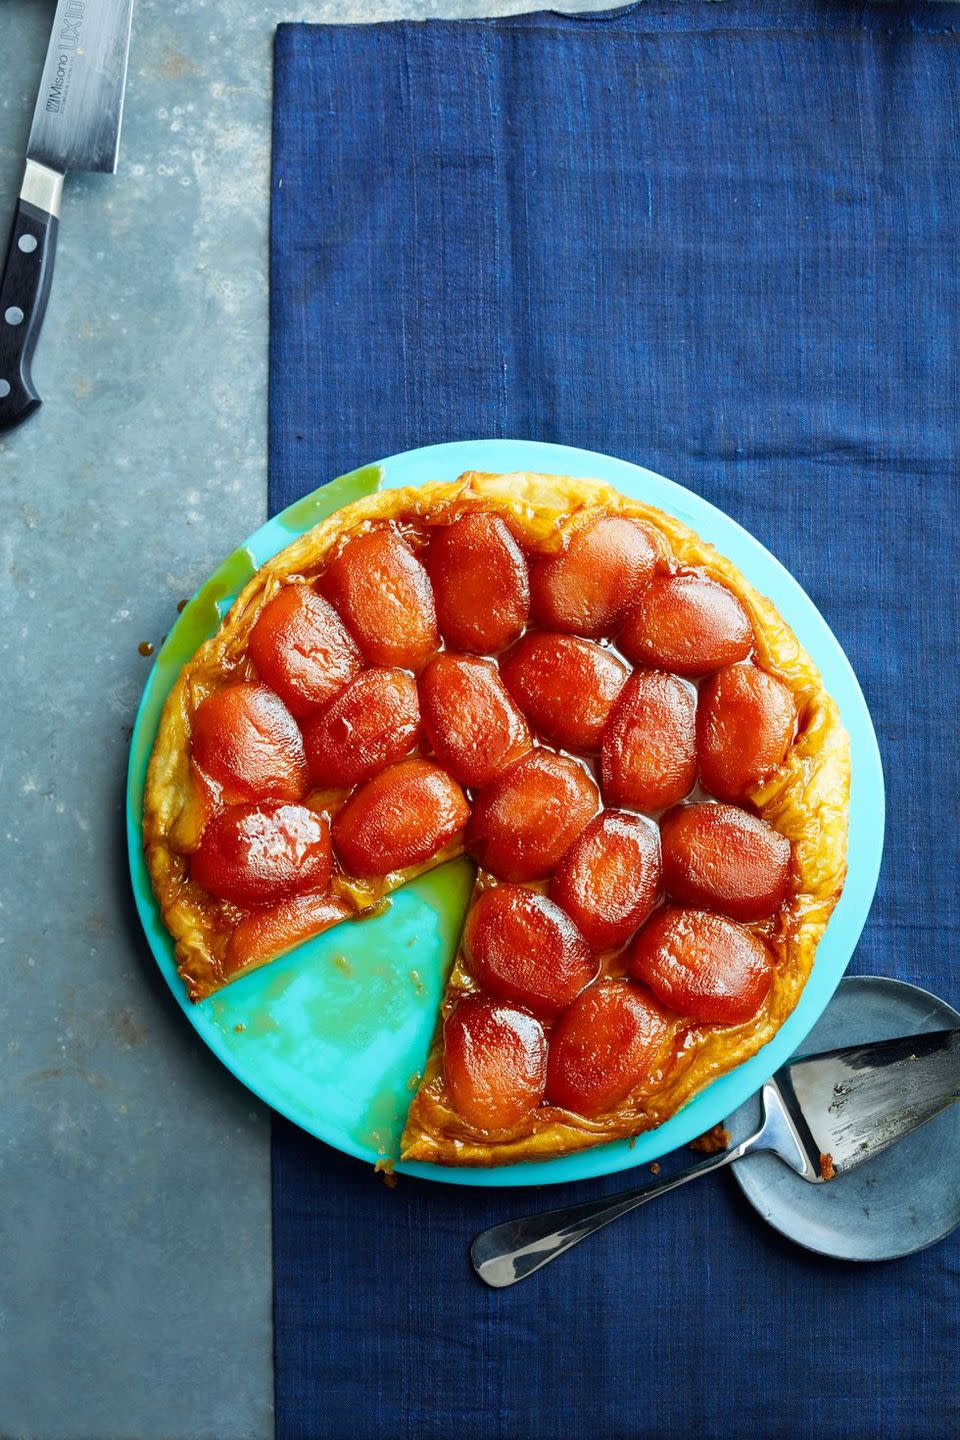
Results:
<point x="720" y="240"/>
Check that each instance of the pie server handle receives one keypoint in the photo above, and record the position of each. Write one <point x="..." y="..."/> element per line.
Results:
<point x="23" y="300"/>
<point x="512" y="1251"/>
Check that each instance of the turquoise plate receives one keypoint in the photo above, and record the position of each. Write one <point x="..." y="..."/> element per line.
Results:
<point x="335" y="1034"/>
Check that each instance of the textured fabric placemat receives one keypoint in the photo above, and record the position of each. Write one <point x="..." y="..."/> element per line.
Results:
<point x="720" y="240"/>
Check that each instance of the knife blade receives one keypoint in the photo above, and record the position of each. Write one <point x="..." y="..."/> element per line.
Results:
<point x="850" y="1104"/>
<point x="76" y="126"/>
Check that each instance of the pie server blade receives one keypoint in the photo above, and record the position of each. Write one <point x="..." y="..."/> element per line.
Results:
<point x="851" y="1103"/>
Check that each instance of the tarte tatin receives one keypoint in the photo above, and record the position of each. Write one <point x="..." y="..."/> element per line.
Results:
<point x="577" y="691"/>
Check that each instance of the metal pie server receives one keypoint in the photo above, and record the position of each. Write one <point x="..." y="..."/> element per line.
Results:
<point x="76" y="126"/>
<point x="822" y="1115"/>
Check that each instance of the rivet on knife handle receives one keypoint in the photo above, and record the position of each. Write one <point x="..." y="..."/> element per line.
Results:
<point x="24" y="290"/>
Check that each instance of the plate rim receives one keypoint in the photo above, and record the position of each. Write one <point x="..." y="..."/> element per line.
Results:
<point x="867" y="811"/>
<point x="886" y="982"/>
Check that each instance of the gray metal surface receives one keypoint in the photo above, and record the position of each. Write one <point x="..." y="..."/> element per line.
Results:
<point x="134" y="1172"/>
<point x="79" y="108"/>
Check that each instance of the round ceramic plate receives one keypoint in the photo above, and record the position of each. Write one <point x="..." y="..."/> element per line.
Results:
<point x="335" y="1034"/>
<point x="901" y="1201"/>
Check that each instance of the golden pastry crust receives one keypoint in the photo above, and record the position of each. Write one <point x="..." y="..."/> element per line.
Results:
<point x="806" y="799"/>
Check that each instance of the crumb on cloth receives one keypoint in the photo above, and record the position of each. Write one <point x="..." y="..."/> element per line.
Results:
<point x="384" y="1168"/>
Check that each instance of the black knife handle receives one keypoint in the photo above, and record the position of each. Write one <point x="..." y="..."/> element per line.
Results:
<point x="23" y="300"/>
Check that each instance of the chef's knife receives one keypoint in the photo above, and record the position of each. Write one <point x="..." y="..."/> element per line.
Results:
<point x="822" y="1115"/>
<point x="76" y="126"/>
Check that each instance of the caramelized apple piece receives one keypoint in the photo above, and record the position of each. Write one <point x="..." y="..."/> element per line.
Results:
<point x="302" y="649"/>
<point x="401" y="817"/>
<point x="522" y="948"/>
<point x="587" y="587"/>
<point x="480" y="583"/>
<point x="494" y="1063"/>
<point x="565" y="686"/>
<point x="702" y="965"/>
<point x="689" y="624"/>
<point x="384" y="595"/>
<point x="613" y="1037"/>
<point x="246" y="740"/>
<point x="648" y="757"/>
<point x="524" y="821"/>
<point x="717" y="857"/>
<point x="745" y="727"/>
<point x="255" y="854"/>
<point x="609" y="879"/>
<point x="372" y="723"/>
<point x="265" y="934"/>
<point x="469" y="718"/>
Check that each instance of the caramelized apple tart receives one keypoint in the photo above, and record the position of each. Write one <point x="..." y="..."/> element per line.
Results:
<point x="577" y="691"/>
